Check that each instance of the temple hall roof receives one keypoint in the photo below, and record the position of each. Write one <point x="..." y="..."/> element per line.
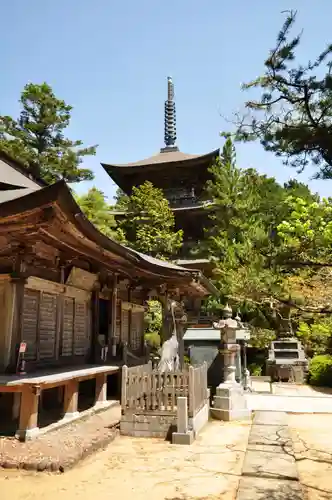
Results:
<point x="68" y="229"/>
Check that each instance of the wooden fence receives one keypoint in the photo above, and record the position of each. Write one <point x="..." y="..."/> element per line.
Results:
<point x="197" y="388"/>
<point x="146" y="390"/>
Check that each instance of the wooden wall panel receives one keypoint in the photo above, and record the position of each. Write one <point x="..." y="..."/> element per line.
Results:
<point x="118" y="323"/>
<point x="47" y="325"/>
<point x="125" y="325"/>
<point x="80" y="329"/>
<point x="30" y="323"/>
<point x="136" y="337"/>
<point x="67" y="340"/>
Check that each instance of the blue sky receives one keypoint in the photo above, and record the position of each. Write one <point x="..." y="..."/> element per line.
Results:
<point x="109" y="59"/>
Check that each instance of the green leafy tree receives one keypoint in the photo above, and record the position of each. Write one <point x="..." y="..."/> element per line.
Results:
<point x="99" y="212"/>
<point x="307" y="232"/>
<point x="293" y="116"/>
<point x="153" y="322"/>
<point x="37" y="137"/>
<point x="121" y="199"/>
<point x="239" y="241"/>
<point x="253" y="253"/>
<point x="149" y="226"/>
<point x="316" y="336"/>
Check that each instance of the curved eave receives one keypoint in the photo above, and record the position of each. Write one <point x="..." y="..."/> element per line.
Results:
<point x="60" y="194"/>
<point x="119" y="172"/>
<point x="156" y="161"/>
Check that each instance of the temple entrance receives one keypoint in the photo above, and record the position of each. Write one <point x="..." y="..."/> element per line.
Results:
<point x="104" y="318"/>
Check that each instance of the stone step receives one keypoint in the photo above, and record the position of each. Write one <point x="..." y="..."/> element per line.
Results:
<point x="270" y="418"/>
<point x="254" y="488"/>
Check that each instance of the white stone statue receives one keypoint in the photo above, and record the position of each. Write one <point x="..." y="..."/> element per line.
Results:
<point x="169" y="360"/>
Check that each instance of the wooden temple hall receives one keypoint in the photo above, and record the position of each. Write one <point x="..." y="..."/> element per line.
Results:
<point x="72" y="304"/>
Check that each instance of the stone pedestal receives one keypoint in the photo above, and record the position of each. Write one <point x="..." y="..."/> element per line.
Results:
<point x="183" y="434"/>
<point x="229" y="403"/>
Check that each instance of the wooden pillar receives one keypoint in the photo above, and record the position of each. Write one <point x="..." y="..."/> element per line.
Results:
<point x="16" y="405"/>
<point x="129" y="318"/>
<point x="70" y="399"/>
<point x="112" y="335"/>
<point x="101" y="389"/>
<point x="28" y="413"/>
<point x="18" y="287"/>
<point x="95" y="355"/>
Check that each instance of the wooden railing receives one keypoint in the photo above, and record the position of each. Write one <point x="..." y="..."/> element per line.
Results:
<point x="147" y="390"/>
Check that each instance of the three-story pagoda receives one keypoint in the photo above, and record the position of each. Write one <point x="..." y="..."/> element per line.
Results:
<point x="182" y="177"/>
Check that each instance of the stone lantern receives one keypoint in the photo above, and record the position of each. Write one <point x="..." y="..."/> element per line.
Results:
<point x="229" y="403"/>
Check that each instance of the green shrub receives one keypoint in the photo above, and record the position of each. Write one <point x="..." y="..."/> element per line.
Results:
<point x="153" y="340"/>
<point x="255" y="370"/>
<point x="320" y="370"/>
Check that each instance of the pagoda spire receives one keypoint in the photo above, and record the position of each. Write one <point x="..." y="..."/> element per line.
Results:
<point x="170" y="119"/>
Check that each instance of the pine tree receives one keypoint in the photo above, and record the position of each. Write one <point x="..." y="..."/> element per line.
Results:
<point x="293" y="117"/>
<point x="94" y="205"/>
<point x="37" y="137"/>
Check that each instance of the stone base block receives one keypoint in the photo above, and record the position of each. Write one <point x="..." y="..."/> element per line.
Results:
<point x="147" y="425"/>
<point x="229" y="415"/>
<point x="101" y="405"/>
<point x="70" y="415"/>
<point x="230" y="403"/>
<point x="183" y="437"/>
<point x="27" y="434"/>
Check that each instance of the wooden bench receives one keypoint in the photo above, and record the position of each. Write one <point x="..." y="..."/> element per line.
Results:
<point x="28" y="388"/>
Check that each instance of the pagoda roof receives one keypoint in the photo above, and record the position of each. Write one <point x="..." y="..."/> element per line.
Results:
<point x="164" y="159"/>
<point x="172" y="156"/>
<point x="50" y="214"/>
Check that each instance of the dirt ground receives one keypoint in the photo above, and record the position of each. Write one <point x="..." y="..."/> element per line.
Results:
<point x="144" y="469"/>
<point x="312" y="440"/>
<point x="64" y="446"/>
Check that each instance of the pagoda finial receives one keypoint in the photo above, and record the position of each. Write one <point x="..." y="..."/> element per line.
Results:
<point x="170" y="119"/>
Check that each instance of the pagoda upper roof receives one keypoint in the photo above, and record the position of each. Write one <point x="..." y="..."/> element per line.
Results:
<point x="166" y="158"/>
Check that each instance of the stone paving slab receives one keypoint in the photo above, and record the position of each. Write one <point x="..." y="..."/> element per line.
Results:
<point x="269" y="434"/>
<point x="270" y="464"/>
<point x="253" y="488"/>
<point x="271" y="448"/>
<point x="290" y="404"/>
<point x="266" y="457"/>
<point x="270" y="418"/>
